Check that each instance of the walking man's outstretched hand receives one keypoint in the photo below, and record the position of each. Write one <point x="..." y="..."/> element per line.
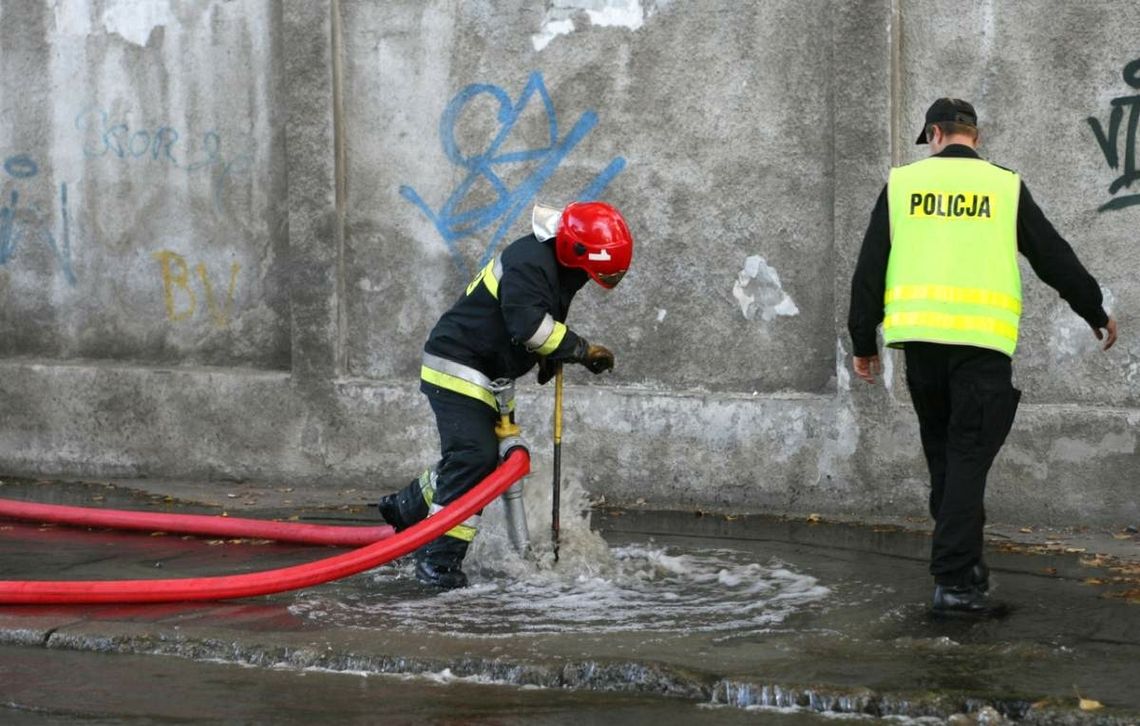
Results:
<point x="1108" y="336"/>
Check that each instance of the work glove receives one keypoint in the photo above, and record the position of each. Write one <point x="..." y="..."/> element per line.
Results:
<point x="546" y="370"/>
<point x="596" y="358"/>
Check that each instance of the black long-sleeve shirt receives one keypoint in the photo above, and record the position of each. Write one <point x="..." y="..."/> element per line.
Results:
<point x="1050" y="256"/>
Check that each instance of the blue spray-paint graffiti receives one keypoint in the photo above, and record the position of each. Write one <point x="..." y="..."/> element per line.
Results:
<point x="164" y="145"/>
<point x="19" y="224"/>
<point x="1108" y="141"/>
<point x="509" y="203"/>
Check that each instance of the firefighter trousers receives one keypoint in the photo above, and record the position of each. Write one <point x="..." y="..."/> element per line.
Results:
<point x="469" y="449"/>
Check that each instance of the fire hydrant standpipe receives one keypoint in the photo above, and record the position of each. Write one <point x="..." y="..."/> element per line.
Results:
<point x="509" y="434"/>
<point x="515" y="465"/>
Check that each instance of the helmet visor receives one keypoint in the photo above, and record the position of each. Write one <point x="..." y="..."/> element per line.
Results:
<point x="610" y="279"/>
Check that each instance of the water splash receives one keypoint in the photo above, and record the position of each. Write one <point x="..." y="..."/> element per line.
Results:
<point x="593" y="589"/>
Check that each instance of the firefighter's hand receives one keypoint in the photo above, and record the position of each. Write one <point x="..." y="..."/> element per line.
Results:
<point x="1109" y="336"/>
<point x="596" y="358"/>
<point x="546" y="370"/>
<point x="867" y="367"/>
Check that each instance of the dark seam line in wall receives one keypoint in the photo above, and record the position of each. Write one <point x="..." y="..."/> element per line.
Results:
<point x="340" y="353"/>
<point x="896" y="80"/>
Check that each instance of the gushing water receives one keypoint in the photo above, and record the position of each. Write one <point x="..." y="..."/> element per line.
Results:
<point x="592" y="588"/>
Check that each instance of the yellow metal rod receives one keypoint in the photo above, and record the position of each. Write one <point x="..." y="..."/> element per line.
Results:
<point x="558" y="405"/>
<point x="555" y="520"/>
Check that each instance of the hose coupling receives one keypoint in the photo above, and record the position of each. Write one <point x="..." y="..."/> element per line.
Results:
<point x="512" y="442"/>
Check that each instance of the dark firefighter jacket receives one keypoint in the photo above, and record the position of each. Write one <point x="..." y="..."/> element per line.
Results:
<point x="489" y="332"/>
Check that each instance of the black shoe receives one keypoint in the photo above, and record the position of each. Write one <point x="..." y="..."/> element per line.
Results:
<point x="439" y="563"/>
<point x="959" y="600"/>
<point x="980" y="576"/>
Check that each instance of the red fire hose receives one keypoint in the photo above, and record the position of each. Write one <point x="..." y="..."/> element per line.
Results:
<point x="202" y="524"/>
<point x="32" y="592"/>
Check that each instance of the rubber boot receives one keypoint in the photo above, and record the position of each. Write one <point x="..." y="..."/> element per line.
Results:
<point x="439" y="563"/>
<point x="405" y="507"/>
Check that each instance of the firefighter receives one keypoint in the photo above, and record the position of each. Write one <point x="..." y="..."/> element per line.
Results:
<point x="511" y="317"/>
<point x="938" y="268"/>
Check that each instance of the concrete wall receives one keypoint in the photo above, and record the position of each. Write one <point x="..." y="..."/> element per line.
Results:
<point x="235" y="222"/>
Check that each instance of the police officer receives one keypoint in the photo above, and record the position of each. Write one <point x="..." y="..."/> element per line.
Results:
<point x="511" y="317"/>
<point x="938" y="268"/>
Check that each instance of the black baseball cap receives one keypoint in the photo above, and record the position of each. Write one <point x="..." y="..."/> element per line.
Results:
<point x="948" y="109"/>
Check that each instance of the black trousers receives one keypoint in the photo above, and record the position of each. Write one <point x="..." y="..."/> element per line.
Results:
<point x="966" y="402"/>
<point x="469" y="449"/>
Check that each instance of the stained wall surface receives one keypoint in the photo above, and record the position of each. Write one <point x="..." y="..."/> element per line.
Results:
<point x="227" y="226"/>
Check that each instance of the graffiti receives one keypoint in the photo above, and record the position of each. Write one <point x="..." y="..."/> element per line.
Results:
<point x="489" y="165"/>
<point x="1110" y="142"/>
<point x="161" y="145"/>
<point x="31" y="221"/>
<point x="176" y="288"/>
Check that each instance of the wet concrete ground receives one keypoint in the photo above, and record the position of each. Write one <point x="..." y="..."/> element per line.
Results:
<point x="671" y="617"/>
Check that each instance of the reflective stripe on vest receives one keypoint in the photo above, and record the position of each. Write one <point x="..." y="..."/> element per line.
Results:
<point x="952" y="276"/>
<point x="459" y="378"/>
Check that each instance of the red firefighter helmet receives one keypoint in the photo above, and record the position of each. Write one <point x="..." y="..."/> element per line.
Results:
<point x="593" y="236"/>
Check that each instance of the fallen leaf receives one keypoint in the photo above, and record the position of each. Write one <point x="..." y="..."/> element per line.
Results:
<point x="1026" y="530"/>
<point x="1051" y="571"/>
<point x="1074" y="550"/>
<point x="1122" y="535"/>
<point x="1087" y="704"/>
<point x="1094" y="581"/>
<point x="814" y="518"/>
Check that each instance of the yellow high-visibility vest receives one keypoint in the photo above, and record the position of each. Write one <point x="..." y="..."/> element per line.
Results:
<point x="952" y="276"/>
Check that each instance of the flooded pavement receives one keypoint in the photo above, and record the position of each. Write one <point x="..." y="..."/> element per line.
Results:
<point x="663" y="616"/>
